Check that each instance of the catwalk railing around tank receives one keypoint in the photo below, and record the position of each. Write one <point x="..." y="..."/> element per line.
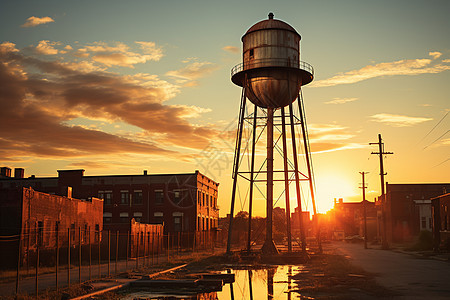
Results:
<point x="272" y="62"/>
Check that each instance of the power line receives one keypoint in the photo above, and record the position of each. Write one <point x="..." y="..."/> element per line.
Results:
<point x="442" y="119"/>
<point x="443" y="162"/>
<point x="436" y="139"/>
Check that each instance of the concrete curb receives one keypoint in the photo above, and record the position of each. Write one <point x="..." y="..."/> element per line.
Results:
<point x="119" y="286"/>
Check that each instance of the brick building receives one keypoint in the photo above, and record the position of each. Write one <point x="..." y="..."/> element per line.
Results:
<point x="39" y="218"/>
<point x="408" y="208"/>
<point x="441" y="221"/>
<point x="295" y="223"/>
<point x="348" y="217"/>
<point x="183" y="202"/>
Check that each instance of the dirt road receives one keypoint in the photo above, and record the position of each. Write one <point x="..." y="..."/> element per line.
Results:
<point x="412" y="277"/>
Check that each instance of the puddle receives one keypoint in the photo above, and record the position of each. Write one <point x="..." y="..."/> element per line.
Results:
<point x="268" y="283"/>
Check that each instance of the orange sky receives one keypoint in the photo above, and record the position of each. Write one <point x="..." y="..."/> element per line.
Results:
<point x="116" y="88"/>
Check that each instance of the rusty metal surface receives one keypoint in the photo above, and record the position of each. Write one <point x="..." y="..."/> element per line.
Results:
<point x="271" y="24"/>
<point x="271" y="71"/>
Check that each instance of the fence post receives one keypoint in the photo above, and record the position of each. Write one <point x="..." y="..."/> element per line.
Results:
<point x="153" y="247"/>
<point x="18" y="262"/>
<point x="157" y="248"/>
<point x="109" y="252"/>
<point x="79" y="254"/>
<point x="117" y="250"/>
<point x="57" y="255"/>
<point x="90" y="254"/>
<point x="99" y="266"/>
<point x="37" y="270"/>
<point x="28" y="248"/>
<point x="128" y="249"/>
<point x="143" y="242"/>
<point x="137" y="250"/>
<point x="148" y="248"/>
<point x="178" y="243"/>
<point x="168" y="246"/>
<point x="68" y="256"/>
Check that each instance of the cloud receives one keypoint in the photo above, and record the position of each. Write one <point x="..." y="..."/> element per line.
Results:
<point x="35" y="21"/>
<point x="401" y="67"/>
<point x="47" y="48"/>
<point x="341" y="100"/>
<point x="150" y="48"/>
<point x="231" y="49"/>
<point x="40" y="98"/>
<point x="120" y="59"/>
<point x="399" y="120"/>
<point x="119" y="54"/>
<point x="192" y="71"/>
<point x="6" y="47"/>
<point x="435" y="54"/>
<point x="331" y="137"/>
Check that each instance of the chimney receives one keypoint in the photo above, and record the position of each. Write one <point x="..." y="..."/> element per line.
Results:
<point x="5" y="172"/>
<point x="145" y="172"/>
<point x="19" y="173"/>
<point x="69" y="192"/>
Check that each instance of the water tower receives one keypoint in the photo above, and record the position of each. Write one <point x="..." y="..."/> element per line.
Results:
<point x="271" y="76"/>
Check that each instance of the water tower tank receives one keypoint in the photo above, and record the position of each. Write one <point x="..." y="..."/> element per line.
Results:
<point x="271" y="71"/>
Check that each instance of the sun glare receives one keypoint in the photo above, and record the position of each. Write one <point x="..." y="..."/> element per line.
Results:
<point x="330" y="187"/>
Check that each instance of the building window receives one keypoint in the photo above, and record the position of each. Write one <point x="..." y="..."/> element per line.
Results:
<point x="158" y="217"/>
<point x="124" y="197"/>
<point x="159" y="197"/>
<point x="199" y="197"/>
<point x="107" y="217"/>
<point x="177" y="221"/>
<point x="124" y="217"/>
<point x="176" y="196"/>
<point x="137" y="197"/>
<point x="177" y="224"/>
<point x="106" y="196"/>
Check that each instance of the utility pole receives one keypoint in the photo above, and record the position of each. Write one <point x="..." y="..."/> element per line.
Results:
<point x="364" y="206"/>
<point x="380" y="153"/>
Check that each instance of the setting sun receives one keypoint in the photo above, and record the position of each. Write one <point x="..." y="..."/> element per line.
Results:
<point x="331" y="186"/>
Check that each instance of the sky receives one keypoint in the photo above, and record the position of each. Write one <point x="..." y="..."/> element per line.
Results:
<point x="118" y="87"/>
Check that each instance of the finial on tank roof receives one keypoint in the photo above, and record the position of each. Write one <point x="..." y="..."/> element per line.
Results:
<point x="270" y="16"/>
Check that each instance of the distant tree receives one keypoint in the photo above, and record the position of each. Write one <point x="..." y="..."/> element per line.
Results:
<point x="279" y="224"/>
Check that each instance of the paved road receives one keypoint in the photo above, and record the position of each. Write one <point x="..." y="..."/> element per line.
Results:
<point x="412" y="277"/>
